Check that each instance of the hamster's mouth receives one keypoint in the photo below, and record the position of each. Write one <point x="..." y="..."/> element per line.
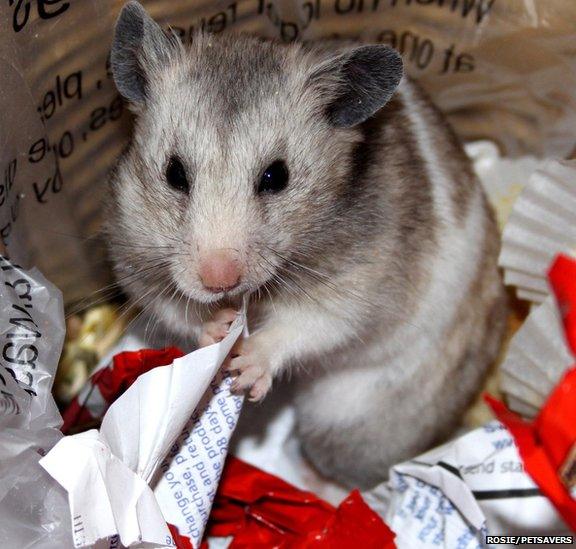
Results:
<point x="214" y="296"/>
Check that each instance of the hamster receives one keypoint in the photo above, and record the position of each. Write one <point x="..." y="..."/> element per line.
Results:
<point x="324" y="182"/>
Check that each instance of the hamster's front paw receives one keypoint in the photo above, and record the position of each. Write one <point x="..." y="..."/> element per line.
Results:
<point x="216" y="329"/>
<point x="252" y="368"/>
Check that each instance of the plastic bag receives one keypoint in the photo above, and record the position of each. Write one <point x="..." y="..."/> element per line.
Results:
<point x="33" y="508"/>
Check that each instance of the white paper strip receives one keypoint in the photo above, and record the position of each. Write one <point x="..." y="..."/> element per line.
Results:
<point x="191" y="472"/>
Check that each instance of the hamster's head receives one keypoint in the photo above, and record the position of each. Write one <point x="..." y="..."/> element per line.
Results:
<point x="239" y="166"/>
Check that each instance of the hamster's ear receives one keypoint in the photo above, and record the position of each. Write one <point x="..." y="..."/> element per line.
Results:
<point x="358" y="83"/>
<point x="139" y="48"/>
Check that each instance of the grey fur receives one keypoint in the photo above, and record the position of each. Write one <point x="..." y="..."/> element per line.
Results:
<point x="374" y="272"/>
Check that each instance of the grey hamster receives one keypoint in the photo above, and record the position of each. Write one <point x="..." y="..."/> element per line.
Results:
<point x="319" y="178"/>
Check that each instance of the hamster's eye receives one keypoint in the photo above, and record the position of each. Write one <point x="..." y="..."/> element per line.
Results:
<point x="176" y="175"/>
<point x="275" y="178"/>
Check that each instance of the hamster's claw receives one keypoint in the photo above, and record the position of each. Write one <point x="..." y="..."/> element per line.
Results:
<point x="216" y="329"/>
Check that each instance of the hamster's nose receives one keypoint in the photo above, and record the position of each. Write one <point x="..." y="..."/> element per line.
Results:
<point x="219" y="270"/>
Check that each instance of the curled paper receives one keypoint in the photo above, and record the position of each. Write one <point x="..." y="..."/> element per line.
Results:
<point x="538" y="354"/>
<point x="191" y="471"/>
<point x="541" y="225"/>
<point x="153" y="419"/>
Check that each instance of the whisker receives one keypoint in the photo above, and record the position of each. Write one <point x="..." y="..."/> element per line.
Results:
<point x="115" y="287"/>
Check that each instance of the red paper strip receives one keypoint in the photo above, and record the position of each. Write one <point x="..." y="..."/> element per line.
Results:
<point x="261" y="510"/>
<point x="562" y="276"/>
<point x="182" y="542"/>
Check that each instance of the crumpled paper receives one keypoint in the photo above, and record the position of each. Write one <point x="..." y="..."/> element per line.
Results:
<point x="261" y="510"/>
<point x="33" y="509"/>
<point x="251" y="505"/>
<point x="150" y="436"/>
<point x="454" y="495"/>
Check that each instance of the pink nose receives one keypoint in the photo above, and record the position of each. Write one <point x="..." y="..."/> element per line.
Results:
<point x="219" y="270"/>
